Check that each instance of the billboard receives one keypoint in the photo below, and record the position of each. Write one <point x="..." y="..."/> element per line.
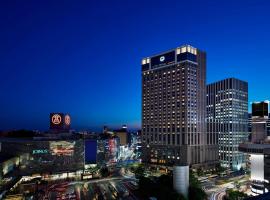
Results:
<point x="62" y="148"/>
<point x="60" y="121"/>
<point x="164" y="59"/>
<point x="90" y="151"/>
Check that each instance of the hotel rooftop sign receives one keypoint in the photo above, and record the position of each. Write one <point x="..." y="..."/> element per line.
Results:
<point x="180" y="54"/>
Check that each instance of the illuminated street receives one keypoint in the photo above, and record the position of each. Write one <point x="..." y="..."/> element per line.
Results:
<point x="109" y="188"/>
<point x="217" y="192"/>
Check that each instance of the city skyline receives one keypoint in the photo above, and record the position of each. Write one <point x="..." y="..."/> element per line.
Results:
<point x="77" y="68"/>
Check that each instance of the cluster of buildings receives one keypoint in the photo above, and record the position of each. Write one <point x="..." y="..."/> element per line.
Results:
<point x="186" y="122"/>
<point x="61" y="153"/>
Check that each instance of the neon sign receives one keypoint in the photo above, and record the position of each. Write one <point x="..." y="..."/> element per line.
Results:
<point x="67" y="119"/>
<point x="40" y="151"/>
<point x="56" y="119"/>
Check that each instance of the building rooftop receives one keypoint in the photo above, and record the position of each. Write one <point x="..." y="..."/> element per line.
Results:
<point x="179" y="49"/>
<point x="230" y="78"/>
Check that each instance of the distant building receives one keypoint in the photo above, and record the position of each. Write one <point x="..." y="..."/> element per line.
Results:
<point x="227" y="120"/>
<point x="107" y="149"/>
<point x="123" y="135"/>
<point x="118" y="147"/>
<point x="173" y="108"/>
<point x="260" y="122"/>
<point x="249" y="126"/>
<point x="268" y="126"/>
<point x="105" y="129"/>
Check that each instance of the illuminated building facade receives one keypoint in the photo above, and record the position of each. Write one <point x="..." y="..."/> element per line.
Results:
<point x="227" y="120"/>
<point x="131" y="152"/>
<point x="47" y="156"/>
<point x="107" y="150"/>
<point x="9" y="163"/>
<point x="259" y="158"/>
<point x="173" y="107"/>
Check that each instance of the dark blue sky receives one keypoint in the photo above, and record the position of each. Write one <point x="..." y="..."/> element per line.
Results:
<point x="83" y="57"/>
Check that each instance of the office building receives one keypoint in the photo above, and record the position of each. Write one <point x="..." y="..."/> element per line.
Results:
<point x="227" y="120"/>
<point x="259" y="122"/>
<point x="107" y="149"/>
<point x="173" y="107"/>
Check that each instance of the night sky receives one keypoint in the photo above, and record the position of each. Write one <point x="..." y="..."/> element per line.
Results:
<point x="83" y="57"/>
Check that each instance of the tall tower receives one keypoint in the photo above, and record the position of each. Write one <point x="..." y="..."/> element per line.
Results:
<point x="259" y="122"/>
<point x="227" y="119"/>
<point x="174" y="107"/>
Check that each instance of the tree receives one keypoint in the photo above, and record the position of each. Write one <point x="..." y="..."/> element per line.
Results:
<point x="235" y="195"/>
<point x="139" y="171"/>
<point x="220" y="169"/>
<point x="237" y="184"/>
<point x="195" y="191"/>
<point x="193" y="181"/>
<point x="161" y="188"/>
<point x="104" y="171"/>
<point x="200" y="172"/>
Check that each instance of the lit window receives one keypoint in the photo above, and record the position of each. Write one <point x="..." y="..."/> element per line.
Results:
<point x="143" y="61"/>
<point x="183" y="49"/>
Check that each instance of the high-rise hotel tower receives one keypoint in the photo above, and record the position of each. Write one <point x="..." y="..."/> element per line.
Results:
<point x="174" y="107"/>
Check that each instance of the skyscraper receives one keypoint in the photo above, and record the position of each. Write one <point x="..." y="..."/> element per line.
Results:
<point x="227" y="119"/>
<point x="259" y="122"/>
<point x="174" y="107"/>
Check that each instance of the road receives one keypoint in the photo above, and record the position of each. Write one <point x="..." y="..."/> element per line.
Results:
<point x="101" y="189"/>
<point x="217" y="192"/>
